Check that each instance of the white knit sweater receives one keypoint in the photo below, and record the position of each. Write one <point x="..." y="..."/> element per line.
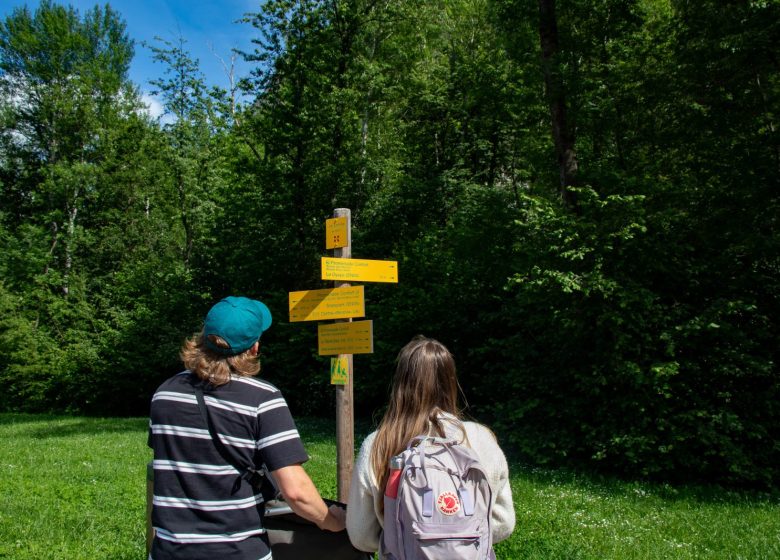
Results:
<point x="364" y="518"/>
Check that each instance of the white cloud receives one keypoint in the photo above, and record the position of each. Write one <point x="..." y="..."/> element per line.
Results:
<point x="153" y="106"/>
<point x="155" y="109"/>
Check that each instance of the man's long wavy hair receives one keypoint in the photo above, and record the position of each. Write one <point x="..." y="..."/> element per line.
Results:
<point x="424" y="386"/>
<point x="213" y="367"/>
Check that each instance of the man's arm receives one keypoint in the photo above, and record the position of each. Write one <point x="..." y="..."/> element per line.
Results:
<point x="301" y="495"/>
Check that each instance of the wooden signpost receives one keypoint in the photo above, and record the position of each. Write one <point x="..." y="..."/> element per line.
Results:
<point x="345" y="409"/>
<point x="342" y="338"/>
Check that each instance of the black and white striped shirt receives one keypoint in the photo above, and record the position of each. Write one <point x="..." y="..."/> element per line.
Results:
<point x="195" y="513"/>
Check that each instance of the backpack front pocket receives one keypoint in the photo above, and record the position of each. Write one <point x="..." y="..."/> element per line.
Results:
<point x="438" y="541"/>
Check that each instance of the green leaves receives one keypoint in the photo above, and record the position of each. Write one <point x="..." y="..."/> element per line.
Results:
<point x="635" y="330"/>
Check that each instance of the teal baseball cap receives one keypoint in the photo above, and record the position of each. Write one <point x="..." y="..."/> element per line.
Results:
<point x="239" y="321"/>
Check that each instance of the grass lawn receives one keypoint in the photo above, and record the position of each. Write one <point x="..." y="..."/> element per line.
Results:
<point x="74" y="488"/>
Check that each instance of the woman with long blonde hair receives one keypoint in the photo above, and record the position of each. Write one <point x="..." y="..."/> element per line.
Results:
<point x="423" y="401"/>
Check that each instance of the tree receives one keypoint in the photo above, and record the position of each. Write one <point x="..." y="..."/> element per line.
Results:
<point x="562" y="131"/>
<point x="194" y="164"/>
<point x="63" y="78"/>
<point x="82" y="206"/>
<point x="610" y="290"/>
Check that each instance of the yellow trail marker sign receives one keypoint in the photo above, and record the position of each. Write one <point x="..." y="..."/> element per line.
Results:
<point x="359" y="270"/>
<point x="331" y="303"/>
<point x="336" y="235"/>
<point x="345" y="338"/>
<point x="339" y="370"/>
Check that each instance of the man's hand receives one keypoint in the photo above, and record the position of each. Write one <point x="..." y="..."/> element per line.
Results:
<point x="336" y="519"/>
<point x="301" y="495"/>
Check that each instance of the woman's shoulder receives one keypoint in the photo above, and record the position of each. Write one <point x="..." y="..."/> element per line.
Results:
<point x="484" y="443"/>
<point x="477" y="436"/>
<point x="470" y="427"/>
<point x="368" y="441"/>
<point x="479" y="431"/>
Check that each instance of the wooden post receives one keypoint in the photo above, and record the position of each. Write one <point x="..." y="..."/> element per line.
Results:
<point x="345" y="416"/>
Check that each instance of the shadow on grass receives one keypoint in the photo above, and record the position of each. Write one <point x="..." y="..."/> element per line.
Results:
<point x="612" y="486"/>
<point x="323" y="430"/>
<point x="43" y="426"/>
<point x="25" y="418"/>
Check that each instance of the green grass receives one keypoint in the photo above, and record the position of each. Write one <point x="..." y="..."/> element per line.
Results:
<point x="74" y="488"/>
<point x="566" y="515"/>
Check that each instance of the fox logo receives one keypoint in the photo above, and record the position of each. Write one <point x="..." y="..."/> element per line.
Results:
<point x="448" y="503"/>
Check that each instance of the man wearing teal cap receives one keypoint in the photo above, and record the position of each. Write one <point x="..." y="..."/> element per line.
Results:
<point x="203" y="506"/>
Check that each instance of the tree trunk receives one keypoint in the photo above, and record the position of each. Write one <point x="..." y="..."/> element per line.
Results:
<point x="364" y="126"/>
<point x="72" y="211"/>
<point x="770" y="122"/>
<point x="54" y="238"/>
<point x="185" y="218"/>
<point x="563" y="137"/>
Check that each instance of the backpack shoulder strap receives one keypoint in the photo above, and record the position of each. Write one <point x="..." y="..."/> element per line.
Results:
<point x="258" y="478"/>
<point x="213" y="432"/>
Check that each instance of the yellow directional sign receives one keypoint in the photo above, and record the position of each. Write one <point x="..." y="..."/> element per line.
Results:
<point x="359" y="270"/>
<point x="339" y="370"/>
<point x="331" y="303"/>
<point x="346" y="338"/>
<point x="336" y="235"/>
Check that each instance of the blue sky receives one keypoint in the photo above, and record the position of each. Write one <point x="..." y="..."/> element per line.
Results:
<point x="204" y="24"/>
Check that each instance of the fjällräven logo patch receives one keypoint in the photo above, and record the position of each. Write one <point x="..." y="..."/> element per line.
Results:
<point x="448" y="503"/>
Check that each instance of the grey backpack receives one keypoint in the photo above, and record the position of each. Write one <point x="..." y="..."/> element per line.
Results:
<point x="442" y="510"/>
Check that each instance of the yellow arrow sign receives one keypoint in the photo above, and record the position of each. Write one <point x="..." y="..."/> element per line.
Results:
<point x="359" y="270"/>
<point x="345" y="338"/>
<point x="331" y="303"/>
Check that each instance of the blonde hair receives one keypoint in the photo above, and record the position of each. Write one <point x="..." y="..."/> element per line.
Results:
<point x="213" y="367"/>
<point x="424" y="386"/>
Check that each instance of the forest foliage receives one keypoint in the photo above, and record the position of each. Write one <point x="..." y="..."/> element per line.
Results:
<point x="582" y="197"/>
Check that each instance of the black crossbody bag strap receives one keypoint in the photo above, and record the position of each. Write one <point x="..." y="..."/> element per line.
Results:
<point x="259" y="479"/>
